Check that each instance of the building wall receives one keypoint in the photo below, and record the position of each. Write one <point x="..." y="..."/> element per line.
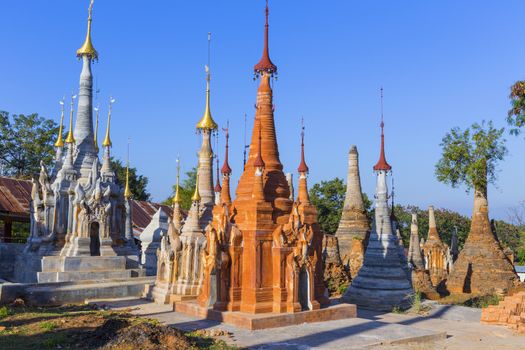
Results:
<point x="8" y="253"/>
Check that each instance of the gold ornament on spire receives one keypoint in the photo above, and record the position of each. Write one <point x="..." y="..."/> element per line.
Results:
<point x="176" y="198"/>
<point x="207" y="121"/>
<point x="70" y="138"/>
<point x="196" y="195"/>
<point x="87" y="48"/>
<point x="95" y="138"/>
<point x="127" y="191"/>
<point x="107" y="139"/>
<point x="60" y="141"/>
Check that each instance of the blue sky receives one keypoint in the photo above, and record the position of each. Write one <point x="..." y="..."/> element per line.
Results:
<point x="443" y="63"/>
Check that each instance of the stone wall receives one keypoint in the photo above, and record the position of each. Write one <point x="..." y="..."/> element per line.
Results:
<point x="8" y="253"/>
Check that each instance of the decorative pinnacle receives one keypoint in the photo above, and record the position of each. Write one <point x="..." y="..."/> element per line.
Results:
<point x="259" y="162"/>
<point x="382" y="164"/>
<point x="87" y="48"/>
<point x="207" y="121"/>
<point x="176" y="198"/>
<point x="196" y="195"/>
<point x="265" y="65"/>
<point x="60" y="141"/>
<point x="303" y="168"/>
<point x="225" y="166"/>
<point x="95" y="138"/>
<point x="107" y="139"/>
<point x="70" y="138"/>
<point x="127" y="191"/>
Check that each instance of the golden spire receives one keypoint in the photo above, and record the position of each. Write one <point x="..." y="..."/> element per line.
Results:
<point x="87" y="48"/>
<point x="176" y="198"/>
<point x="127" y="191"/>
<point x="196" y="195"/>
<point x="107" y="139"/>
<point x="207" y="121"/>
<point x="60" y="141"/>
<point x="95" y="139"/>
<point x="70" y="138"/>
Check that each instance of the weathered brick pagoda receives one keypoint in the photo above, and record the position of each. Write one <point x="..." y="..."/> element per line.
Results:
<point x="435" y="252"/>
<point x="482" y="266"/>
<point x="420" y="275"/>
<point x="264" y="249"/>
<point x="353" y="228"/>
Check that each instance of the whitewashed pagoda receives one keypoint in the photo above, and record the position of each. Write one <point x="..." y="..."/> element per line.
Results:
<point x="80" y="215"/>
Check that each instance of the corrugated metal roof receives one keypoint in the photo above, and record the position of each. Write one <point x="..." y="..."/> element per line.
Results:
<point x="15" y="196"/>
<point x="142" y="212"/>
<point x="519" y="268"/>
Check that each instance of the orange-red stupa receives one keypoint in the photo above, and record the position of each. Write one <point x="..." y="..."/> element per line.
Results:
<point x="264" y="250"/>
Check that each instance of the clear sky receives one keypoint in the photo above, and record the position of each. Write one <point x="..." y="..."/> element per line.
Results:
<point x="443" y="63"/>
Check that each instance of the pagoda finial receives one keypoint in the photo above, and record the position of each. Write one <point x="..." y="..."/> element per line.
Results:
<point x="207" y="121"/>
<point x="259" y="162"/>
<point x="265" y="65"/>
<point x="60" y="141"/>
<point x="107" y="139"/>
<point x="127" y="191"/>
<point x="95" y="137"/>
<point x="196" y="195"/>
<point x="87" y="48"/>
<point x="226" y="166"/>
<point x="303" y="168"/>
<point x="382" y="164"/>
<point x="176" y="198"/>
<point x="70" y="138"/>
<point x="218" y="187"/>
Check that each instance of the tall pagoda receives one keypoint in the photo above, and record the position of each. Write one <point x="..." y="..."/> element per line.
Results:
<point x="263" y="248"/>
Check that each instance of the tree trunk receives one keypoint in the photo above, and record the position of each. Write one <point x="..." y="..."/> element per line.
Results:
<point x="480" y="199"/>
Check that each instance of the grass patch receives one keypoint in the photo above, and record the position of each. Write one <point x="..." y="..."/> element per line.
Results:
<point x="475" y="301"/>
<point x="4" y="312"/>
<point x="48" y="326"/>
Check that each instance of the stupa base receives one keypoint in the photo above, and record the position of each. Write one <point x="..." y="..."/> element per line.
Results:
<point x="267" y="320"/>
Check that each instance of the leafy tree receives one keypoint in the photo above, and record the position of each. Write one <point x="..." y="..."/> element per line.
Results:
<point x="137" y="183"/>
<point x="328" y="197"/>
<point x="516" y="115"/>
<point x="470" y="158"/>
<point x="25" y="140"/>
<point x="187" y="187"/>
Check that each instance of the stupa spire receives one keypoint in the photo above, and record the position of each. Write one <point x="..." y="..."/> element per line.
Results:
<point x="277" y="190"/>
<point x="258" y="164"/>
<point x="207" y="122"/>
<point x="87" y="49"/>
<point x="303" y="197"/>
<point x="60" y="141"/>
<point x="196" y="195"/>
<point x="176" y="197"/>
<point x="95" y="138"/>
<point x="70" y="138"/>
<point x="265" y="65"/>
<point x="382" y="163"/>
<point x="107" y="139"/>
<point x="226" y="170"/>
<point x="127" y="191"/>
<point x="85" y="151"/>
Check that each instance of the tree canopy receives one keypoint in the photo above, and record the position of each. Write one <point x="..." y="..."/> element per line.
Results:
<point x="25" y="140"/>
<point x="187" y="187"/>
<point x="516" y="115"/>
<point x="470" y="157"/>
<point x="137" y="183"/>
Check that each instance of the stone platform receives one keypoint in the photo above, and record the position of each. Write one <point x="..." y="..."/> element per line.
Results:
<point x="61" y="293"/>
<point x="267" y="320"/>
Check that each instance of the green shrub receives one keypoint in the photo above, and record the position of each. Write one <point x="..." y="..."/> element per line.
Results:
<point x="4" y="312"/>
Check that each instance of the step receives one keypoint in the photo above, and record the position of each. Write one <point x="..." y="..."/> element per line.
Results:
<point x="96" y="275"/>
<point x="54" y="294"/>
<point x="83" y="263"/>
